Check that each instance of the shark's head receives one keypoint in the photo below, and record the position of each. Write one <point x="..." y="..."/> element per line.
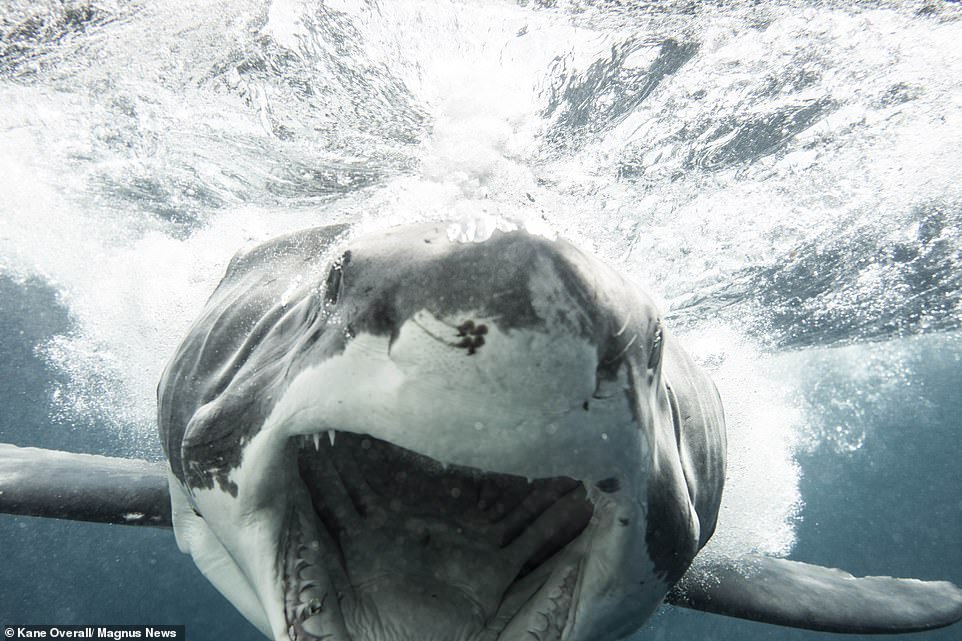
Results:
<point x="405" y="436"/>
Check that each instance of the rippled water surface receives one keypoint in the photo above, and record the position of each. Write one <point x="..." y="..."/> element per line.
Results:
<point x="783" y="178"/>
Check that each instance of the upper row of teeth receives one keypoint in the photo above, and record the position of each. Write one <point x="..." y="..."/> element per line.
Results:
<point x="316" y="438"/>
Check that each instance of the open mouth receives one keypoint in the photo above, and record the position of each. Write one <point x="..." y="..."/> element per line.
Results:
<point x="391" y="544"/>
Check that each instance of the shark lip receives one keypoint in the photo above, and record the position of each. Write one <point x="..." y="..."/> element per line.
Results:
<point x="391" y="542"/>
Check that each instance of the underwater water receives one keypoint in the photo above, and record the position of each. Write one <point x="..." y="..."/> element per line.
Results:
<point x="783" y="179"/>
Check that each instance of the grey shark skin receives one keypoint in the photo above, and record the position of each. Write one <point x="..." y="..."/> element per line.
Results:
<point x="409" y="435"/>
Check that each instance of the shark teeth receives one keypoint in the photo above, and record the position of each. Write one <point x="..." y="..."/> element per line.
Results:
<point x="311" y="602"/>
<point x="315" y="439"/>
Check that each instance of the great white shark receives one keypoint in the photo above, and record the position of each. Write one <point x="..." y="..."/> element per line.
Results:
<point x="420" y="434"/>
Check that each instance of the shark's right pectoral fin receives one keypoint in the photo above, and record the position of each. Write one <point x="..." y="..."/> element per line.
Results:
<point x="800" y="595"/>
<point x="83" y="487"/>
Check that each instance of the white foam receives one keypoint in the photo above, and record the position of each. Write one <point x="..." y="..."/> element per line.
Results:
<point x="761" y="499"/>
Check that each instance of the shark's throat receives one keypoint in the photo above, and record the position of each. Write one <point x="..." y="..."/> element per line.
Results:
<point x="394" y="546"/>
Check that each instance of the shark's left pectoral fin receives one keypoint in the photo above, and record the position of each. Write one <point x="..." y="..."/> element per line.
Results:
<point x="83" y="487"/>
<point x="801" y="595"/>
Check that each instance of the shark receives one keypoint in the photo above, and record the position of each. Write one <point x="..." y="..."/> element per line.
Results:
<point x="420" y="434"/>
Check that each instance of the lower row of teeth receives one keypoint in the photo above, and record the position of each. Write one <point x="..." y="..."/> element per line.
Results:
<point x="304" y="598"/>
<point x="314" y="603"/>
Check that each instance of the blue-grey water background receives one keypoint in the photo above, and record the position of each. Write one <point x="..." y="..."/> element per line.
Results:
<point x="783" y="178"/>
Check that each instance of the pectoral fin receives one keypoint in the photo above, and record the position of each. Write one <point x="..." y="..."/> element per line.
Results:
<point x="83" y="487"/>
<point x="807" y="596"/>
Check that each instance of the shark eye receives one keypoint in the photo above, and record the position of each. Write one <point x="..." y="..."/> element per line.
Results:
<point x="332" y="288"/>
<point x="335" y="279"/>
<point x="654" y="357"/>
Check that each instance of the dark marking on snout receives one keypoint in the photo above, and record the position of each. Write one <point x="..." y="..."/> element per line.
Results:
<point x="468" y="328"/>
<point x="624" y="522"/>
<point x="471" y="335"/>
<point x="609" y="485"/>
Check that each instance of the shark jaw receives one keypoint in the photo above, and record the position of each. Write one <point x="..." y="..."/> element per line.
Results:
<point x="367" y="541"/>
<point x="344" y="536"/>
